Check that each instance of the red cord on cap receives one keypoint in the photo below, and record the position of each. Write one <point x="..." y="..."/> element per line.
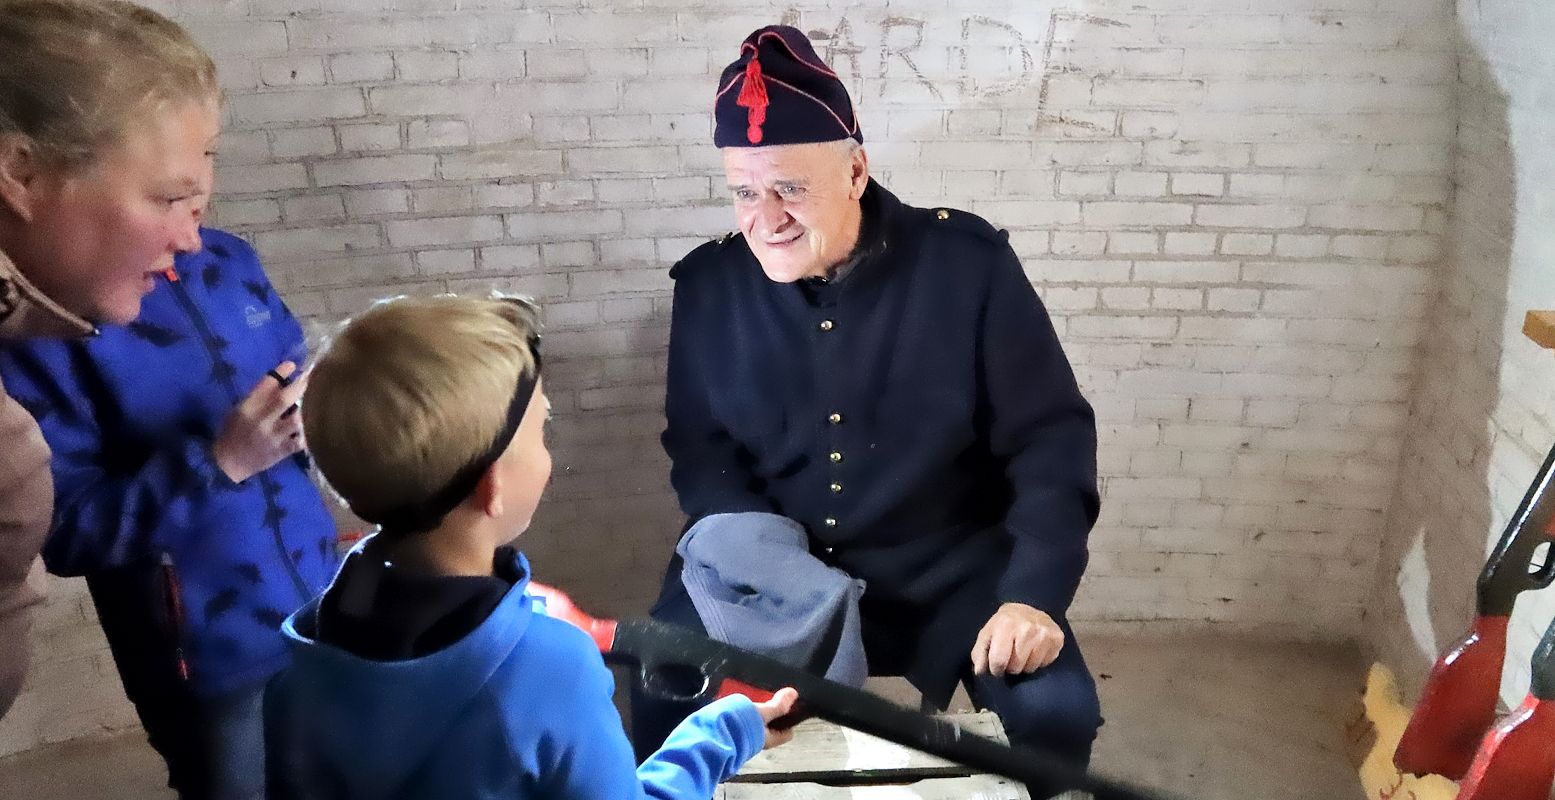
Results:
<point x="753" y="95"/>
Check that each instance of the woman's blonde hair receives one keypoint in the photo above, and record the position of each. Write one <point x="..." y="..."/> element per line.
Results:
<point x="75" y="75"/>
<point x="412" y="390"/>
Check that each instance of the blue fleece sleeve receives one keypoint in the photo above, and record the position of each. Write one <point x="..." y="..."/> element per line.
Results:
<point x="705" y="749"/>
<point x="115" y="501"/>
<point x="588" y="757"/>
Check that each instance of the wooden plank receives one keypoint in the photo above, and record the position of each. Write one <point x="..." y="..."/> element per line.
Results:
<point x="976" y="787"/>
<point x="1540" y="327"/>
<point x="820" y="746"/>
<point x="829" y="762"/>
<point x="858" y="777"/>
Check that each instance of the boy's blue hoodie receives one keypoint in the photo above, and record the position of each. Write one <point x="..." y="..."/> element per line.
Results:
<point x="518" y="708"/>
<point x="131" y="415"/>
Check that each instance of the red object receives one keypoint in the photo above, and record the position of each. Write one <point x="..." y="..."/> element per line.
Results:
<point x="560" y="606"/>
<point x="753" y="96"/>
<point x="731" y="686"/>
<point x="1459" y="700"/>
<point x="1516" y="760"/>
<point x="603" y="632"/>
<point x="174" y="596"/>
<point x="1457" y="705"/>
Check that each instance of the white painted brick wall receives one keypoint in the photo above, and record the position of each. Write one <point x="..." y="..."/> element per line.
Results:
<point x="1482" y="419"/>
<point x="1229" y="206"/>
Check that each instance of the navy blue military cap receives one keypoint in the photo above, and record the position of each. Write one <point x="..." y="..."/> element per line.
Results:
<point x="780" y="92"/>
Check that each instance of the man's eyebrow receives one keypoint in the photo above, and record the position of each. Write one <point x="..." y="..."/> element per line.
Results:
<point x="797" y="183"/>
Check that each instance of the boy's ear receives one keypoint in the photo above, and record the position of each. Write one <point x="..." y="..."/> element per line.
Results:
<point x="488" y="493"/>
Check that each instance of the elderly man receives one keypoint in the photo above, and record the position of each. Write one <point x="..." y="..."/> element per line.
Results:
<point x="885" y="377"/>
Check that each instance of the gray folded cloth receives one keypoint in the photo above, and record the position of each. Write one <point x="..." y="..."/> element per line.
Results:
<point x="756" y="586"/>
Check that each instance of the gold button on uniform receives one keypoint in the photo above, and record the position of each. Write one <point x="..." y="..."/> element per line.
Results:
<point x="836" y="488"/>
<point x="835" y="418"/>
<point x="831" y="522"/>
<point x="827" y="325"/>
<point x="836" y="457"/>
<point x="942" y="214"/>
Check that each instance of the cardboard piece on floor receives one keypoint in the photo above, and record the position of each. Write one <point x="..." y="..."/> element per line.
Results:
<point x="1540" y="327"/>
<point x="1374" y="735"/>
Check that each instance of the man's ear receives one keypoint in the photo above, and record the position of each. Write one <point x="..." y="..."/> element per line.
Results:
<point x="488" y="493"/>
<point x="21" y="169"/>
<point x="859" y="175"/>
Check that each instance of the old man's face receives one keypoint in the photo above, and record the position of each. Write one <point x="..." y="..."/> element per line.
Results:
<point x="798" y="204"/>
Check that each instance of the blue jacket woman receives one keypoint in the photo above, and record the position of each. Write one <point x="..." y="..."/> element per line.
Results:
<point x="192" y="573"/>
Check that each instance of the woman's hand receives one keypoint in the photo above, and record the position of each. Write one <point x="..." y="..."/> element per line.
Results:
<point x="264" y="427"/>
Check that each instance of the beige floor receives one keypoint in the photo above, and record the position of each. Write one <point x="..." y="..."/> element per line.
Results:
<point x="1216" y="719"/>
<point x="1203" y="719"/>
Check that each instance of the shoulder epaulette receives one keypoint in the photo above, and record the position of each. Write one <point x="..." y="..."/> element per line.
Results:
<point x="702" y="252"/>
<point x="969" y="222"/>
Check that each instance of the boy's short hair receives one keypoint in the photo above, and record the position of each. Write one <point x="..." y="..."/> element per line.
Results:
<point x="412" y="390"/>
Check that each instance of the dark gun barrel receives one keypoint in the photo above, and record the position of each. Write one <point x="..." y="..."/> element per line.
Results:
<point x="677" y="663"/>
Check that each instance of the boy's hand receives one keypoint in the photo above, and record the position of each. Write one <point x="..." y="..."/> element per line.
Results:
<point x="780" y="704"/>
<point x="264" y="428"/>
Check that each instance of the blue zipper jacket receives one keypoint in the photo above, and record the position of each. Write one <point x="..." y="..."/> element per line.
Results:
<point x="131" y="415"/>
<point x="518" y="708"/>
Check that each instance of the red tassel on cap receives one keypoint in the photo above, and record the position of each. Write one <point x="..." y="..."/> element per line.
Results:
<point x="753" y="96"/>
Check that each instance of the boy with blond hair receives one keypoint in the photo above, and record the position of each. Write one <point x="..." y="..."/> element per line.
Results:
<point x="424" y="670"/>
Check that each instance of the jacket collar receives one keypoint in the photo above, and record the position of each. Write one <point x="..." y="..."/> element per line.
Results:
<point x="26" y="312"/>
<point x="881" y="210"/>
<point x="881" y="214"/>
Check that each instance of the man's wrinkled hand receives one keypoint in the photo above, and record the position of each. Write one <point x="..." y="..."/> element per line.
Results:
<point x="1017" y="639"/>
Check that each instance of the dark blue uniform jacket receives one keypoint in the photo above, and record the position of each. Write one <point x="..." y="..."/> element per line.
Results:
<point x="918" y="416"/>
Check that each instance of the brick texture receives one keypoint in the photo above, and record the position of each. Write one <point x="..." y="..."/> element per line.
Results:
<point x="1481" y="420"/>
<point x="1232" y="208"/>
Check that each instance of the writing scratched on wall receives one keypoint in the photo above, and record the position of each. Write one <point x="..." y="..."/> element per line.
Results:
<point x="973" y="56"/>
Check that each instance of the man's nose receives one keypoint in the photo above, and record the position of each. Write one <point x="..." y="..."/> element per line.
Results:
<point x="770" y="214"/>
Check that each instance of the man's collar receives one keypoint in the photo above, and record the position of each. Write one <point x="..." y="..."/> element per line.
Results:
<point x="871" y="236"/>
